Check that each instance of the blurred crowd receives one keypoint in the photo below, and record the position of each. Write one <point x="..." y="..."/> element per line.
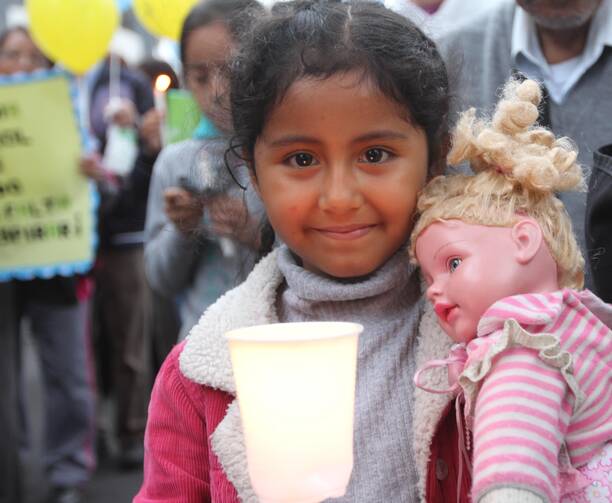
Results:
<point x="179" y="224"/>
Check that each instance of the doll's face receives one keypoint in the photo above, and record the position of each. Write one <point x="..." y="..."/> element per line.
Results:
<point x="467" y="269"/>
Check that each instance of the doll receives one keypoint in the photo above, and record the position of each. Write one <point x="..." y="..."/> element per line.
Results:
<point x="532" y="363"/>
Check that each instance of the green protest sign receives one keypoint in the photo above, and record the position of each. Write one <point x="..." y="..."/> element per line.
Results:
<point x="182" y="116"/>
<point x="47" y="208"/>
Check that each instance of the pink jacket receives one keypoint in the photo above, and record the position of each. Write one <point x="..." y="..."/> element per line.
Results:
<point x="194" y="449"/>
<point x="179" y="467"/>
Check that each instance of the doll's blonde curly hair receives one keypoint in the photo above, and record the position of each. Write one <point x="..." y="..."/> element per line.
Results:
<point x="518" y="166"/>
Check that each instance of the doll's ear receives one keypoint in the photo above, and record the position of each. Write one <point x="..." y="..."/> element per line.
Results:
<point x="527" y="237"/>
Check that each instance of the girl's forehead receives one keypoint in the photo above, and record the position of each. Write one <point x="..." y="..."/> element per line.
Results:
<point x="345" y="99"/>
<point x="355" y="82"/>
<point x="210" y="42"/>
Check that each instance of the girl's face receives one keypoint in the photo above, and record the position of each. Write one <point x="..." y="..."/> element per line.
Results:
<point x="19" y="54"/>
<point x="206" y="53"/>
<point x="338" y="167"/>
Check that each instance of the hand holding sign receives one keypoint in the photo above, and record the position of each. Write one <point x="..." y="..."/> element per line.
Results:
<point x="47" y="208"/>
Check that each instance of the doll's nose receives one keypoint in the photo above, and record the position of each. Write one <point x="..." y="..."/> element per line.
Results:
<point x="433" y="291"/>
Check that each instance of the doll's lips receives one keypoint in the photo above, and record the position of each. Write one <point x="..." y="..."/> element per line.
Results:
<point x="345" y="232"/>
<point x="445" y="311"/>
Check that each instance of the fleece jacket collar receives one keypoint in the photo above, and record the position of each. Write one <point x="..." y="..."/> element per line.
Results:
<point x="206" y="360"/>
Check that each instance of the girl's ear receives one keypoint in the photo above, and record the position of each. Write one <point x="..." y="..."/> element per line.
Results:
<point x="253" y="177"/>
<point x="251" y="168"/>
<point x="527" y="237"/>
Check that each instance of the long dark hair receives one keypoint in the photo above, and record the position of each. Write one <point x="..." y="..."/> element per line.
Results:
<point x="238" y="15"/>
<point x="319" y="38"/>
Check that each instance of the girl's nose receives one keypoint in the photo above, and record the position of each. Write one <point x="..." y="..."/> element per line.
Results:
<point x="341" y="190"/>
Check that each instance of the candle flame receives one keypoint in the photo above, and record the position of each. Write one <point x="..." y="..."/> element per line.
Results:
<point x="162" y="83"/>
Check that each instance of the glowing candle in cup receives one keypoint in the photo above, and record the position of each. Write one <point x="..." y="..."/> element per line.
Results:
<point x="296" y="391"/>
<point x="162" y="84"/>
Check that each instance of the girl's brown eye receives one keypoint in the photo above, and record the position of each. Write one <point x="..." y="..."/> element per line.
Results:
<point x="375" y="156"/>
<point x="302" y="160"/>
<point x="197" y="73"/>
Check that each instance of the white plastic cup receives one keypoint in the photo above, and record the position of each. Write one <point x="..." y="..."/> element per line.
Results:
<point x="296" y="391"/>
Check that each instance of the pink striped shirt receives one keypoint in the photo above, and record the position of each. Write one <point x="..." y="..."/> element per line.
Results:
<point x="539" y="400"/>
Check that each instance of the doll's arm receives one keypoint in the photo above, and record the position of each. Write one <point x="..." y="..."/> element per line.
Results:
<point x="508" y="495"/>
<point x="521" y="417"/>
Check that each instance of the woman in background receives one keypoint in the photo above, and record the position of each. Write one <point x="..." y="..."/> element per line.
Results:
<point x="57" y="310"/>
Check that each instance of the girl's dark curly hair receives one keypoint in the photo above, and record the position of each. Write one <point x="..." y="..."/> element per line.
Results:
<point x="320" y="38"/>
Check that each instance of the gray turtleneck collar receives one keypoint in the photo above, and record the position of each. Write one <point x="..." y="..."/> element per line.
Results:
<point x="387" y="303"/>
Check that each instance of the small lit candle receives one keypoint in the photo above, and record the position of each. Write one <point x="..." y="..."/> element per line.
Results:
<point x="162" y="84"/>
<point x="295" y="384"/>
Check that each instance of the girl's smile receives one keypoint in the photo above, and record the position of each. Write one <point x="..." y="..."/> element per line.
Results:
<point x="339" y="181"/>
<point x="345" y="232"/>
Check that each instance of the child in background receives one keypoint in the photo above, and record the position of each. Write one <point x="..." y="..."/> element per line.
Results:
<point x="504" y="270"/>
<point x="179" y="259"/>
<point x="339" y="136"/>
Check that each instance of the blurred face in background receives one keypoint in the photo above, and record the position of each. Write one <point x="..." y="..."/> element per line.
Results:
<point x="19" y="54"/>
<point x="560" y="14"/>
<point x="207" y="52"/>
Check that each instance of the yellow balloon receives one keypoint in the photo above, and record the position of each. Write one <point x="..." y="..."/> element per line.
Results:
<point x="75" y="33"/>
<point x="163" y="18"/>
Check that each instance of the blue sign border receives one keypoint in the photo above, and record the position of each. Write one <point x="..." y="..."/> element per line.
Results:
<point x="61" y="268"/>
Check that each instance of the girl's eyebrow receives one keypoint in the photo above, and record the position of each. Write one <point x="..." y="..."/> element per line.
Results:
<point x="384" y="134"/>
<point x="284" y="141"/>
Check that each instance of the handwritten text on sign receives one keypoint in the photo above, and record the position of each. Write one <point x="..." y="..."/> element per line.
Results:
<point x="46" y="218"/>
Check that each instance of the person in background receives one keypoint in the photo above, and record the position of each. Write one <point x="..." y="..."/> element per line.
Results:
<point x="599" y="222"/>
<point x="436" y="17"/>
<point x="163" y="319"/>
<point x="564" y="45"/>
<point x="193" y="200"/>
<point x="58" y="312"/>
<point x="10" y="476"/>
<point x="10" y="489"/>
<point x="121" y="287"/>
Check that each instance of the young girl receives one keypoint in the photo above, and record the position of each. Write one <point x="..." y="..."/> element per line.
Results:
<point x="502" y="267"/>
<point x="177" y="261"/>
<point x="340" y="111"/>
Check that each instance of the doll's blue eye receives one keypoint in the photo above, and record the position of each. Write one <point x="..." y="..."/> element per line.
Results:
<point x="453" y="264"/>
